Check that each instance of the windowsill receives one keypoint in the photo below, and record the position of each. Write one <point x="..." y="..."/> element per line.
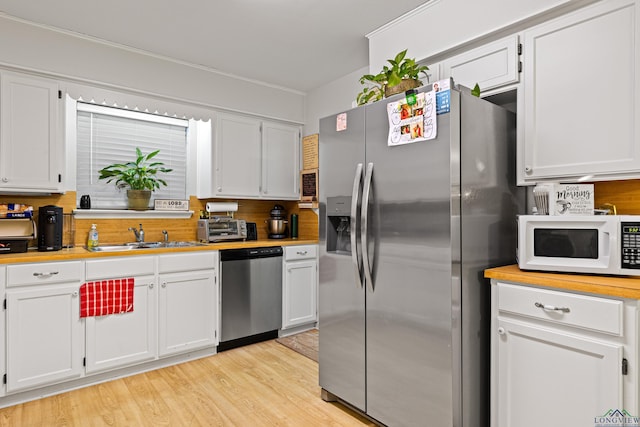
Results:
<point x="124" y="213"/>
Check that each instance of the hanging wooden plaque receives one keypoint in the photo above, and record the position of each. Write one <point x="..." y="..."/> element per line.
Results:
<point x="309" y="185"/>
<point x="310" y="152"/>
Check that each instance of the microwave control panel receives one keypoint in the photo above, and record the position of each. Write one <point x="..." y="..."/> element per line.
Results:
<point x="630" y="245"/>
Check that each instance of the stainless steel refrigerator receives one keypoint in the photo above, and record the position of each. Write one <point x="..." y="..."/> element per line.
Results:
<point x="405" y="233"/>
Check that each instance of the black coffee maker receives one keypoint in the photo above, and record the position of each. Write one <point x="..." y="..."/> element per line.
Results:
<point x="50" y="228"/>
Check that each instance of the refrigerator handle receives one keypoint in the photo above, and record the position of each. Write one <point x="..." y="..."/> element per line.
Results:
<point x="356" y="256"/>
<point x="364" y="225"/>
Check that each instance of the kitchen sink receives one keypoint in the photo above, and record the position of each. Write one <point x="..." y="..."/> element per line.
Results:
<point x="144" y="245"/>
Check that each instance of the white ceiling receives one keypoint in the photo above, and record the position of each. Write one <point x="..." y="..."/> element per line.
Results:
<point x="295" y="44"/>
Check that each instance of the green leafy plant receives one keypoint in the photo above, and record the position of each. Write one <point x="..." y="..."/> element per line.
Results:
<point x="137" y="175"/>
<point x="476" y="90"/>
<point x="401" y="69"/>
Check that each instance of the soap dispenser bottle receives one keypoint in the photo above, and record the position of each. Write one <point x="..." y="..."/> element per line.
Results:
<point x="92" y="241"/>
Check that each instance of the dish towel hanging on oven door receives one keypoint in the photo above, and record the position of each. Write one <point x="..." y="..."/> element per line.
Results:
<point x="106" y="297"/>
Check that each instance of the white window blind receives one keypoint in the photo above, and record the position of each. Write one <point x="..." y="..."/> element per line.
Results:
<point x="107" y="135"/>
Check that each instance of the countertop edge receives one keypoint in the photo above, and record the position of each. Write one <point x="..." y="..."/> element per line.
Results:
<point x="617" y="286"/>
<point x="78" y="253"/>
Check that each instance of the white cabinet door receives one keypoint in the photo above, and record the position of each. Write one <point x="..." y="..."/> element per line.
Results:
<point x="119" y="340"/>
<point x="299" y="291"/>
<point x="490" y="66"/>
<point x="44" y="336"/>
<point x="280" y="161"/>
<point x="237" y="156"/>
<point x="573" y="121"/>
<point x="188" y="311"/>
<point x="30" y="150"/>
<point x="548" y="377"/>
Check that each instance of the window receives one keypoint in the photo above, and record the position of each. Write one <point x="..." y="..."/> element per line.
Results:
<point x="107" y="135"/>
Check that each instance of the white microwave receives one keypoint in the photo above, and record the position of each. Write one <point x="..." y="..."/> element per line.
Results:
<point x="597" y="244"/>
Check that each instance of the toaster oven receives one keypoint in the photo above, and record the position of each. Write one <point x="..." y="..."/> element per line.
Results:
<point x="217" y="229"/>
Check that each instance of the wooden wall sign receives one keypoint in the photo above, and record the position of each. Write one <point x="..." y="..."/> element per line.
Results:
<point x="309" y="185"/>
<point x="310" y="152"/>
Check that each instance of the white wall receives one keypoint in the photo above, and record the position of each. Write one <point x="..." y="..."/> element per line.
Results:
<point x="331" y="98"/>
<point x="71" y="57"/>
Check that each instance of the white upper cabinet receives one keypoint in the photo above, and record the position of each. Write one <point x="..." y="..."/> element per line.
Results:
<point x="573" y="120"/>
<point x="31" y="151"/>
<point x="250" y="159"/>
<point x="490" y="66"/>
<point x="236" y="156"/>
<point x="280" y="161"/>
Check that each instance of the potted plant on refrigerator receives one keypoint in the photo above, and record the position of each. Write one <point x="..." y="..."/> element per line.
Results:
<point x="139" y="175"/>
<point x="402" y="75"/>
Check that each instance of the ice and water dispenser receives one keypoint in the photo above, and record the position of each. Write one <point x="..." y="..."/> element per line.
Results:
<point x="339" y="225"/>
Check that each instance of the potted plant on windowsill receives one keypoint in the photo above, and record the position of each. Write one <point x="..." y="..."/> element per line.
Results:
<point x="139" y="176"/>
<point x="404" y="74"/>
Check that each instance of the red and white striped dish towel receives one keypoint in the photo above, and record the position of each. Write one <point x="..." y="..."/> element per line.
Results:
<point x="106" y="297"/>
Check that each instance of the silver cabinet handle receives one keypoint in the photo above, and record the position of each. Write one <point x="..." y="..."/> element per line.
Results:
<point x="301" y="252"/>
<point x="48" y="274"/>
<point x="364" y="225"/>
<point x="150" y="285"/>
<point x="552" y="308"/>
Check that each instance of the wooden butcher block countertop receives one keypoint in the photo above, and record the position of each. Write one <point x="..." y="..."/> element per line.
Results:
<point x="82" y="253"/>
<point x="618" y="286"/>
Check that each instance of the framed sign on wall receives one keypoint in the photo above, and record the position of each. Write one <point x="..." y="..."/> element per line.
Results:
<point x="309" y="185"/>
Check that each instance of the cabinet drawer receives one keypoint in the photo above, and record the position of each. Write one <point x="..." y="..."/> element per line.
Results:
<point x="292" y="253"/>
<point x="44" y="273"/>
<point x="120" y="267"/>
<point x="587" y="312"/>
<point x="187" y="262"/>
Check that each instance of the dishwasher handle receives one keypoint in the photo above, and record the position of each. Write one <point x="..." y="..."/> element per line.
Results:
<point x="250" y="253"/>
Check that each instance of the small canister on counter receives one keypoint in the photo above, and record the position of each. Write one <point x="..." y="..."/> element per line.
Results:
<point x="294" y="226"/>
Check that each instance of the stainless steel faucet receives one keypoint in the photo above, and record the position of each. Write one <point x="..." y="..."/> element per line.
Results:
<point x="165" y="233"/>
<point x="138" y="233"/>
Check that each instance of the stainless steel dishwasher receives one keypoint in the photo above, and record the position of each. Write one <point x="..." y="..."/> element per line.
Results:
<point x="251" y="295"/>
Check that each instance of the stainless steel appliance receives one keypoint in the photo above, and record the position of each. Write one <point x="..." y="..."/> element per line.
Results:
<point x="602" y="244"/>
<point x="251" y="295"/>
<point x="16" y="233"/>
<point x="277" y="224"/>
<point x="405" y="233"/>
<point x="50" y="228"/>
<point x="217" y="229"/>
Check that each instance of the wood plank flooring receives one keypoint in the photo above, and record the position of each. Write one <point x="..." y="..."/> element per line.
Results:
<point x="264" y="384"/>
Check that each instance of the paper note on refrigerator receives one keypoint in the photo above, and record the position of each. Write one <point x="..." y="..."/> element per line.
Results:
<point x="415" y="122"/>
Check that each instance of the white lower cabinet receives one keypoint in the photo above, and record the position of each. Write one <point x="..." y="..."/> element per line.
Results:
<point x="119" y="340"/>
<point x="188" y="302"/>
<point x="560" y="358"/>
<point x="300" y="286"/>
<point x="44" y="330"/>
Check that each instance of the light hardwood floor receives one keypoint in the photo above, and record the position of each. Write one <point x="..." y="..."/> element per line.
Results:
<point x="264" y="384"/>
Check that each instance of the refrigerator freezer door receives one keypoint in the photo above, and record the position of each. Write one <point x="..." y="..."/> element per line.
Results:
<point x="341" y="297"/>
<point x="409" y="311"/>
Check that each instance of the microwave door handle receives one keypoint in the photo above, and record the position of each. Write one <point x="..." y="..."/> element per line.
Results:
<point x="356" y="256"/>
<point x="364" y="225"/>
